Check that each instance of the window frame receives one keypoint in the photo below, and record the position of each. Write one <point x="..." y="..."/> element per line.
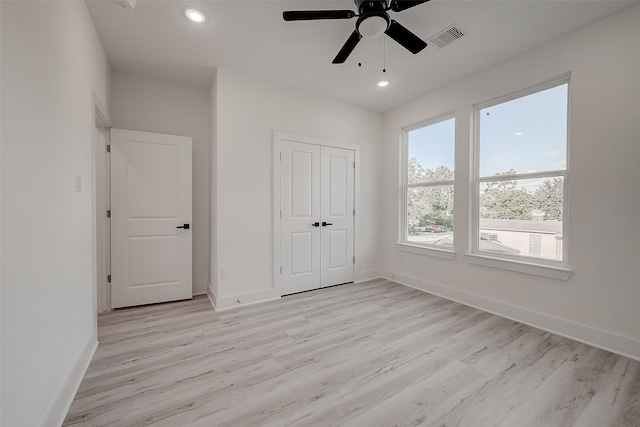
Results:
<point x="521" y="263"/>
<point x="403" y="243"/>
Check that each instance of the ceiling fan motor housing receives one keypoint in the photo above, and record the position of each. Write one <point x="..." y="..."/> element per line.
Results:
<point x="367" y="6"/>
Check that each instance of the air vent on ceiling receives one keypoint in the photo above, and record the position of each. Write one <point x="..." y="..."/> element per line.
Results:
<point x="446" y="37"/>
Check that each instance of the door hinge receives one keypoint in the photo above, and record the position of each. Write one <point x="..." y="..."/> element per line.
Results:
<point x="109" y="213"/>
<point x="280" y="156"/>
<point x="354" y="260"/>
<point x="354" y="165"/>
<point x="280" y="270"/>
<point x="109" y="279"/>
<point x="354" y="212"/>
<point x="280" y="213"/>
<point x="109" y="148"/>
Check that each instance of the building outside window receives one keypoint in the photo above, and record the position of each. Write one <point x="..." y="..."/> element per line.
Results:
<point x="520" y="175"/>
<point x="429" y="151"/>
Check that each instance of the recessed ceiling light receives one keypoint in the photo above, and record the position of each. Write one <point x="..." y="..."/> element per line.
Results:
<point x="194" y="15"/>
<point x="382" y="83"/>
<point x="519" y="133"/>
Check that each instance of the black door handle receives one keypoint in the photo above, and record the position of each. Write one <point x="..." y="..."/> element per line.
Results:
<point x="315" y="224"/>
<point x="324" y="224"/>
<point x="185" y="226"/>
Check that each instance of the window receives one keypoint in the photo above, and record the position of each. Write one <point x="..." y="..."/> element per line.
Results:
<point x="520" y="181"/>
<point x="428" y="184"/>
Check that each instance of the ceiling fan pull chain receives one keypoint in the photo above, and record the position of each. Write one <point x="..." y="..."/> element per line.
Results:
<point x="384" y="55"/>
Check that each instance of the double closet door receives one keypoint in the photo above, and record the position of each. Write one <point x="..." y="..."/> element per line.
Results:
<point x="317" y="216"/>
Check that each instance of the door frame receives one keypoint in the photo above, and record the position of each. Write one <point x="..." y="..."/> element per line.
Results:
<point x="99" y="222"/>
<point x="103" y="226"/>
<point x="279" y="136"/>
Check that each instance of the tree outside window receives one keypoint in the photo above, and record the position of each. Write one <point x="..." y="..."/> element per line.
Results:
<point x="428" y="189"/>
<point x="521" y="175"/>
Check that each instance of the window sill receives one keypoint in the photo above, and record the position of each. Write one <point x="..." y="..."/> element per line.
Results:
<point x="428" y="251"/>
<point x="557" y="273"/>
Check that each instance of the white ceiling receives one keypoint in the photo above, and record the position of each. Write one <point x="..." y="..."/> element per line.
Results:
<point x="250" y="37"/>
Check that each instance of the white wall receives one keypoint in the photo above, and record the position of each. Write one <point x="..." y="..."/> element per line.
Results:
<point x="0" y="217"/>
<point x="142" y="104"/>
<point x="249" y="110"/>
<point x="213" y="182"/>
<point x="599" y="303"/>
<point x="53" y="72"/>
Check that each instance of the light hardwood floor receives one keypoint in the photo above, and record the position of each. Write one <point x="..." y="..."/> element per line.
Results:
<point x="361" y="355"/>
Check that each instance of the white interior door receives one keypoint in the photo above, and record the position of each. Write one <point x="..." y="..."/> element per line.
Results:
<point x="317" y="217"/>
<point x="150" y="218"/>
<point x="337" y="184"/>
<point x="300" y="223"/>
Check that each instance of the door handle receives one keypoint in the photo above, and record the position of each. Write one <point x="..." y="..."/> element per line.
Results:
<point x="185" y="226"/>
<point x="324" y="224"/>
<point x="315" y="224"/>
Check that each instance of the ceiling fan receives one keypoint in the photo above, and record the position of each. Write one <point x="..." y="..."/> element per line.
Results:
<point x="373" y="20"/>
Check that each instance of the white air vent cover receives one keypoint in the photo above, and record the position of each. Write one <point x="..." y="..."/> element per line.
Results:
<point x="446" y="37"/>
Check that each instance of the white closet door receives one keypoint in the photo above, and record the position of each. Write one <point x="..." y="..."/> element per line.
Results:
<point x="150" y="210"/>
<point x="337" y="186"/>
<point x="300" y="221"/>
<point x="317" y="217"/>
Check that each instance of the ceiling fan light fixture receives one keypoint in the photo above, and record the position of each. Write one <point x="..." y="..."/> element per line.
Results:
<point x="373" y="26"/>
<point x="195" y="15"/>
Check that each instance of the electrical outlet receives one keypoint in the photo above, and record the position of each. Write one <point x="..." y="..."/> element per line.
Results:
<point x="224" y="273"/>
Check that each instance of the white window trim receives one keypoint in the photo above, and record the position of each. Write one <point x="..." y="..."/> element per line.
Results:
<point x="431" y="250"/>
<point x="403" y="243"/>
<point x="529" y="265"/>
<point x="519" y="266"/>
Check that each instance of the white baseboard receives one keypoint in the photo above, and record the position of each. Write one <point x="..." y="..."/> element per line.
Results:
<point x="232" y="301"/>
<point x="212" y="296"/>
<point x="366" y="275"/>
<point x="60" y="406"/>
<point x="605" y="340"/>
<point x="240" y="300"/>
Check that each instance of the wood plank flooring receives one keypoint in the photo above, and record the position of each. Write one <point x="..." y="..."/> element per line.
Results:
<point x="358" y="355"/>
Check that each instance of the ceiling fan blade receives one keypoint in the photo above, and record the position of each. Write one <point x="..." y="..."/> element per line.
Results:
<point x="348" y="47"/>
<point x="307" y="15"/>
<point x="400" y="5"/>
<point x="406" y="38"/>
